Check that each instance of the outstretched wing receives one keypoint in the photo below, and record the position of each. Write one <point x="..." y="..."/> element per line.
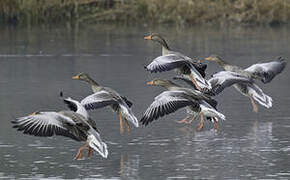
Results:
<point x="166" y="63"/>
<point x="166" y="103"/>
<point x="45" y="124"/>
<point x="224" y="79"/>
<point x="98" y="100"/>
<point x="171" y="61"/>
<point x="267" y="71"/>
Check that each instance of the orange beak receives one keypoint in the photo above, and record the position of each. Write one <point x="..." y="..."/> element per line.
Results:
<point x="76" y="77"/>
<point x="208" y="58"/>
<point x="32" y="114"/>
<point x="148" y="37"/>
<point x="150" y="83"/>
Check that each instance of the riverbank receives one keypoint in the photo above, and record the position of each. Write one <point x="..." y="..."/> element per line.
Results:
<point x="179" y="12"/>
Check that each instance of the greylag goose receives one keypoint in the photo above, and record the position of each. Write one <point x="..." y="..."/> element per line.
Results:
<point x="73" y="124"/>
<point x="176" y="97"/>
<point x="171" y="60"/>
<point x="104" y="96"/>
<point x="264" y="71"/>
<point x="260" y="71"/>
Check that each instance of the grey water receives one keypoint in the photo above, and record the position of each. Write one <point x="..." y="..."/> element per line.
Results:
<point x="36" y="63"/>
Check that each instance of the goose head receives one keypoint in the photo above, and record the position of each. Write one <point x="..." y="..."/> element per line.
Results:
<point x="161" y="82"/>
<point x="215" y="58"/>
<point x="157" y="38"/>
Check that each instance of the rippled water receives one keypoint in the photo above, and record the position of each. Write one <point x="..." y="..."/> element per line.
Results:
<point x="38" y="62"/>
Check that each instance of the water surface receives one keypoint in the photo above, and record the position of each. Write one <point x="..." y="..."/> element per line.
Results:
<point x="38" y="62"/>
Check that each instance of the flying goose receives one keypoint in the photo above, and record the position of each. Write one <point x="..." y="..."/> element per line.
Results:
<point x="260" y="71"/>
<point x="176" y="97"/>
<point x="264" y="71"/>
<point x="104" y="96"/>
<point x="171" y="60"/>
<point x="74" y="124"/>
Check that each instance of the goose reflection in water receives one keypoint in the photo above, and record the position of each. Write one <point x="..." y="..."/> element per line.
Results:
<point x="129" y="167"/>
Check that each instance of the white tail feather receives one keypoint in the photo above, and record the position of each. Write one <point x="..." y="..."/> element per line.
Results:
<point x="209" y="111"/>
<point x="98" y="145"/>
<point x="128" y="114"/>
<point x="259" y="96"/>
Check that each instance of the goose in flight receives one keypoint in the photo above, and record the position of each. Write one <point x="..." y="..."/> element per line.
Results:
<point x="104" y="96"/>
<point x="74" y="124"/>
<point x="261" y="71"/>
<point x="264" y="71"/>
<point x="243" y="84"/>
<point x="176" y="97"/>
<point x="172" y="60"/>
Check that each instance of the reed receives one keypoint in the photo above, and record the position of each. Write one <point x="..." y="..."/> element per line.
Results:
<point x="145" y="11"/>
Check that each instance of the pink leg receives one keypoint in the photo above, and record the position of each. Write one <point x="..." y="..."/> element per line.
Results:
<point x="90" y="151"/>
<point x="121" y="124"/>
<point x="80" y="152"/>
<point x="185" y="119"/>
<point x="194" y="82"/>
<point x="191" y="121"/>
<point x="255" y="106"/>
<point x="201" y="124"/>
<point x="127" y="125"/>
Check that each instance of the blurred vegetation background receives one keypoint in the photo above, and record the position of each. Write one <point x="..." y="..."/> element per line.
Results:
<point x="180" y="12"/>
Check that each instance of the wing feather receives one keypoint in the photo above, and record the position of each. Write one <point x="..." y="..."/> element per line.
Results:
<point x="45" y="124"/>
<point x="165" y="103"/>
<point x="268" y="70"/>
<point x="98" y="100"/>
<point x="224" y="79"/>
<point x="166" y="63"/>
